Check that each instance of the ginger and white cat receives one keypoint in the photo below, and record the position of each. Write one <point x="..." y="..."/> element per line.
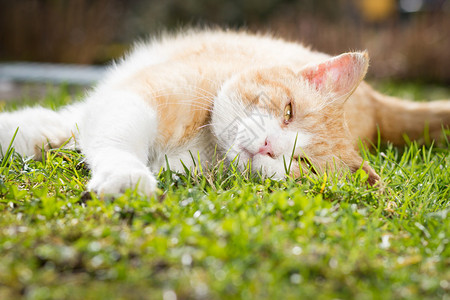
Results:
<point x="262" y="99"/>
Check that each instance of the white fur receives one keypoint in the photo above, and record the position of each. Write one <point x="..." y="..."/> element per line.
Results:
<point x="38" y="127"/>
<point x="116" y="133"/>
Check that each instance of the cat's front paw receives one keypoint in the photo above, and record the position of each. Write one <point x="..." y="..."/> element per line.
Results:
<point x="119" y="180"/>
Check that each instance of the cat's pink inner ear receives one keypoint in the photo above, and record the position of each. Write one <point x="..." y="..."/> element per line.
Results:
<point x="339" y="75"/>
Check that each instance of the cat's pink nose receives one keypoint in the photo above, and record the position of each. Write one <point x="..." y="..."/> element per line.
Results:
<point x="266" y="149"/>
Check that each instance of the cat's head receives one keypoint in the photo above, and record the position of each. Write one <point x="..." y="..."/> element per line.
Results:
<point x="266" y="116"/>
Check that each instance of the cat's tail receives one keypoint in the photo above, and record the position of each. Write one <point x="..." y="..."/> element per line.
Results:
<point x="37" y="128"/>
<point x="421" y="121"/>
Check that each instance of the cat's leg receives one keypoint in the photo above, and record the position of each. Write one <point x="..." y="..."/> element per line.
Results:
<point x="38" y="128"/>
<point x="116" y="134"/>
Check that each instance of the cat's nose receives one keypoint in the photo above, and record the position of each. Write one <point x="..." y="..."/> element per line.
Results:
<point x="266" y="149"/>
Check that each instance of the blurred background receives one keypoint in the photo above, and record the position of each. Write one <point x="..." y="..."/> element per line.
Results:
<point x="406" y="39"/>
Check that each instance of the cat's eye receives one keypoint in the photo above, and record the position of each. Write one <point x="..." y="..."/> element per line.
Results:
<point x="288" y="113"/>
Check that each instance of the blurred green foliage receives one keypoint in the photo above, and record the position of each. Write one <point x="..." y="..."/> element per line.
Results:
<point x="413" y="45"/>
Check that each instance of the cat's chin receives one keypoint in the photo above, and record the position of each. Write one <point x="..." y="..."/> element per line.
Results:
<point x="265" y="165"/>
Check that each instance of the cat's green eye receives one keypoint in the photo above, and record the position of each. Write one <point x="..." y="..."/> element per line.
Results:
<point x="288" y="113"/>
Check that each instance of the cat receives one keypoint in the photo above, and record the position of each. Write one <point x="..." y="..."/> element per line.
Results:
<point x="258" y="99"/>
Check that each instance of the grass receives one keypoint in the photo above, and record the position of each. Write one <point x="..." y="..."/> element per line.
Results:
<point x="220" y="234"/>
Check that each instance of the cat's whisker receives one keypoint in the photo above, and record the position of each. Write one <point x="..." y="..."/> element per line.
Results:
<point x="197" y="101"/>
<point x="203" y="126"/>
<point x="198" y="108"/>
<point x="191" y="89"/>
<point x="218" y="83"/>
<point x="177" y="91"/>
<point x="205" y="99"/>
<point x="201" y="105"/>
<point x="205" y="91"/>
<point x="173" y="93"/>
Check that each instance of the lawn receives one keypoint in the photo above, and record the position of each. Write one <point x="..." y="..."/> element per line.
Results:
<point x="220" y="234"/>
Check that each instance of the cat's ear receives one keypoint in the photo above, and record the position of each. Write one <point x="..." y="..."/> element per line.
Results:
<point x="339" y="75"/>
